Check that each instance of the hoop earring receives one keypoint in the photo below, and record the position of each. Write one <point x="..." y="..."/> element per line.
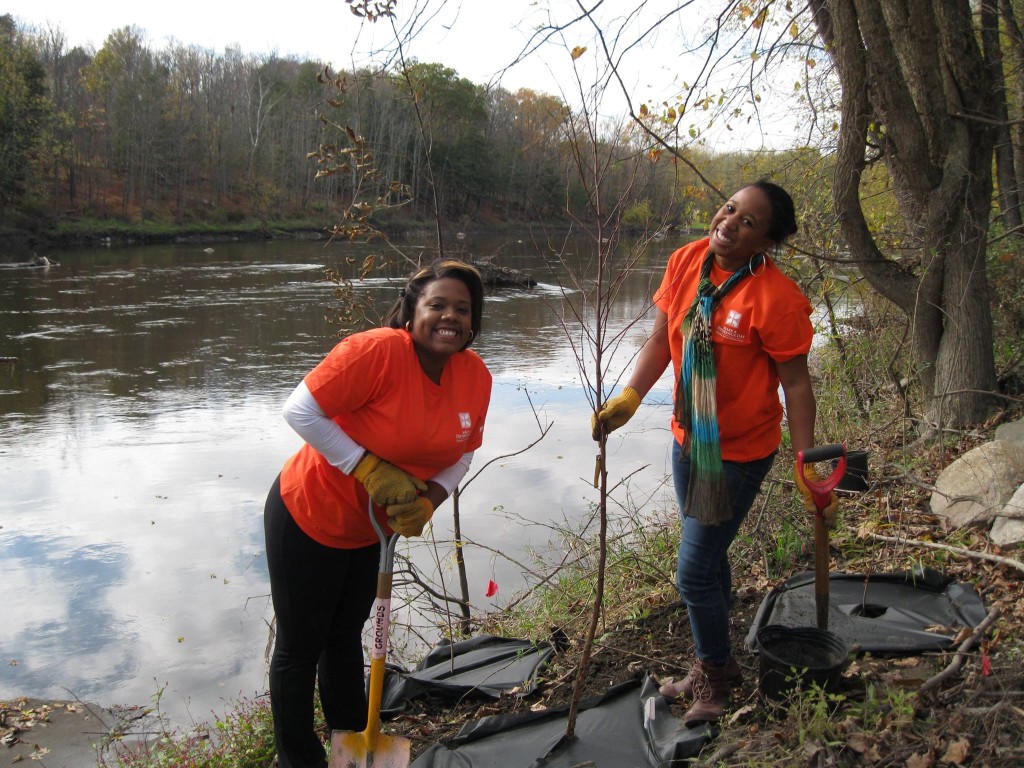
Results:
<point x="470" y="334"/>
<point x="763" y="265"/>
<point x="407" y="324"/>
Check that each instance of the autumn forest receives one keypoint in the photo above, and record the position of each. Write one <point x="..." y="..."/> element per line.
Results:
<point x="182" y="135"/>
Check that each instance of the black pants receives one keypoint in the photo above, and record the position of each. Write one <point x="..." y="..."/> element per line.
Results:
<point x="322" y="597"/>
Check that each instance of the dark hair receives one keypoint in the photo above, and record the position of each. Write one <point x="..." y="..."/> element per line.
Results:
<point x="783" y="210"/>
<point x="405" y="307"/>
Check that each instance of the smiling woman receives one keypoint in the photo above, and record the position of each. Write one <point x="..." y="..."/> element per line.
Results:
<point x="442" y="309"/>
<point x="734" y="328"/>
<point x="391" y="417"/>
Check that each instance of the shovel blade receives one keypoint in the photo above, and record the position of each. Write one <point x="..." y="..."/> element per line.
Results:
<point x="354" y="750"/>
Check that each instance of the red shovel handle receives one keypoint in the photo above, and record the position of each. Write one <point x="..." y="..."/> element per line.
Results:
<point x="820" y="489"/>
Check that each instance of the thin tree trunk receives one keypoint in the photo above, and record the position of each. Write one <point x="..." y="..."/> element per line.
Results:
<point x="1009" y="198"/>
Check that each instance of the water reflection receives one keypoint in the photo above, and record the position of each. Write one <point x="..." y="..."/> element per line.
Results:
<point x="141" y="429"/>
<point x="58" y="591"/>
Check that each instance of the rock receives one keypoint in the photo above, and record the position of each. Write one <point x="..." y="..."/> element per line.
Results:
<point x="1012" y="432"/>
<point x="502" y="277"/>
<point x="1008" y="528"/>
<point x="974" y="488"/>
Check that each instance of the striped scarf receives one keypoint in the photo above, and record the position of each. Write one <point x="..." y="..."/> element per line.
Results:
<point x="696" y="407"/>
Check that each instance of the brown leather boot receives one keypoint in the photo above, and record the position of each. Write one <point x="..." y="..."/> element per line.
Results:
<point x="711" y="694"/>
<point x="684" y="687"/>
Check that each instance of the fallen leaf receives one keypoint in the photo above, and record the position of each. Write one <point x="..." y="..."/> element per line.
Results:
<point x="741" y="713"/>
<point x="910" y="661"/>
<point x="860" y="742"/>
<point x="848" y="724"/>
<point x="812" y="751"/>
<point x="957" y="752"/>
<point x="962" y="635"/>
<point x="920" y="760"/>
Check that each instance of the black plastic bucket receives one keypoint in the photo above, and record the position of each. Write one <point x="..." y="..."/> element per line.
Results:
<point x="791" y="656"/>
<point x="855" y="479"/>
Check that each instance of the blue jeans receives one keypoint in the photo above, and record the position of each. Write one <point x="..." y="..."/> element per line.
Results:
<point x="703" y="572"/>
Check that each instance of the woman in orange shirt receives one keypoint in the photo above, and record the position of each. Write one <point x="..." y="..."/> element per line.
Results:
<point x="734" y="328"/>
<point x="393" y="414"/>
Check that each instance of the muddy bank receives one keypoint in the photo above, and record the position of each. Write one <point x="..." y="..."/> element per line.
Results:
<point x="65" y="734"/>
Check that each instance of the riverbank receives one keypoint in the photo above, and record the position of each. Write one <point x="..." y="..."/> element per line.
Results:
<point x="22" y="244"/>
<point x="65" y="734"/>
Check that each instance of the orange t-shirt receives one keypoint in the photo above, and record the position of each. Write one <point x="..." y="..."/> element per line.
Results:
<point x="766" y="318"/>
<point x="372" y="385"/>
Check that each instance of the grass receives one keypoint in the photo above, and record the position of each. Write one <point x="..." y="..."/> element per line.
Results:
<point x="244" y="738"/>
<point x="639" y="574"/>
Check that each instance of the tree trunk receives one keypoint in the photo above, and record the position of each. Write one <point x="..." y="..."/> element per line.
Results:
<point x="1015" y="43"/>
<point x="914" y="83"/>
<point x="1009" y="194"/>
<point x="963" y="381"/>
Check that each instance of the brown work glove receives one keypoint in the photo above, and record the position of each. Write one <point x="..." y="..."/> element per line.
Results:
<point x="386" y="483"/>
<point x="828" y="514"/>
<point x="615" y="412"/>
<point x="410" y="518"/>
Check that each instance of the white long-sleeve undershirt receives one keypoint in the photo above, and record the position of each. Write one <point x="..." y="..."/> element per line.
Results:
<point x="304" y="414"/>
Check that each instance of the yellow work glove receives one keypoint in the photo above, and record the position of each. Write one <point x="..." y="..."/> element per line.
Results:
<point x="615" y="412"/>
<point x="409" y="519"/>
<point x="386" y="483"/>
<point x="828" y="514"/>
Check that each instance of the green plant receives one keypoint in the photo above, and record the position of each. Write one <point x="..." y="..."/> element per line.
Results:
<point x="639" y="574"/>
<point x="787" y="545"/>
<point x="1006" y="277"/>
<point x="811" y="711"/>
<point x="244" y="738"/>
<point x="639" y="214"/>
<point x="895" y="709"/>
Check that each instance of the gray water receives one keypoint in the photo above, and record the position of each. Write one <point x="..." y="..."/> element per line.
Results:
<point x="141" y="429"/>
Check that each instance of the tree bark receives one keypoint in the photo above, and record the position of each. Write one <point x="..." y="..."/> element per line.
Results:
<point x="1006" y="177"/>
<point x="916" y="94"/>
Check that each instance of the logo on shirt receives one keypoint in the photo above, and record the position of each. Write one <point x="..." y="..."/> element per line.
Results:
<point x="466" y="422"/>
<point x="731" y="327"/>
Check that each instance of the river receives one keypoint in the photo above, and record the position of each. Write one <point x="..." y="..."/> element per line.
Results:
<point x="140" y="403"/>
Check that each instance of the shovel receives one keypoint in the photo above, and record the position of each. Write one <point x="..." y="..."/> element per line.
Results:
<point x="820" y="493"/>
<point x="371" y="748"/>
